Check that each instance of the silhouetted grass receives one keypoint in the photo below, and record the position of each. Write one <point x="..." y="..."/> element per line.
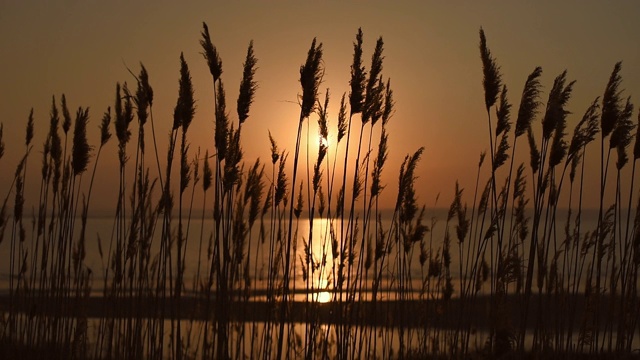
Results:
<point x="401" y="285"/>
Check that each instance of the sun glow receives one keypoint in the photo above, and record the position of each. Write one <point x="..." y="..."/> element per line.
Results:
<point x="323" y="297"/>
<point x="324" y="141"/>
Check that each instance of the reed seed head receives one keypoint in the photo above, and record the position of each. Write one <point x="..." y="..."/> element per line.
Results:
<point x="210" y="53"/>
<point x="534" y="153"/>
<point x="621" y="135"/>
<point x="389" y="104"/>
<point x="501" y="155"/>
<point x="66" y="115"/>
<point x="555" y="115"/>
<point x="105" y="134"/>
<point x="29" y="135"/>
<point x="81" y="148"/>
<point x="310" y="77"/>
<point x="281" y="182"/>
<point x="529" y="102"/>
<point x="342" y="119"/>
<point x="297" y="210"/>
<point x="358" y="77"/>
<point x="207" y="174"/>
<point x="222" y="123"/>
<point x="185" y="107"/>
<point x="585" y="131"/>
<point x="248" y="85"/>
<point x="121" y="122"/>
<point x="274" y="149"/>
<point x="491" y="73"/>
<point x="144" y="95"/>
<point x="611" y="102"/>
<point x="503" y="113"/>
<point x="373" y="100"/>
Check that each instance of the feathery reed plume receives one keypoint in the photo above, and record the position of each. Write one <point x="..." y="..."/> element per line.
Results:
<point x="373" y="100"/>
<point x="621" y="135"/>
<point x="274" y="149"/>
<point x="210" y="53"/>
<point x="342" y="119"/>
<point x="222" y="123"/>
<point x="529" y="102"/>
<point x="144" y="95"/>
<point x="297" y="210"/>
<point x="389" y="104"/>
<point x="611" y="102"/>
<point x="185" y="169"/>
<point x="121" y="122"/>
<point x="534" y="153"/>
<point x="105" y="134"/>
<point x="29" y="135"/>
<point x="233" y="159"/>
<point x="55" y="145"/>
<point x="81" y="148"/>
<point x="501" y="155"/>
<point x="281" y="181"/>
<point x="376" y="174"/>
<point x="585" y="131"/>
<point x="66" y="115"/>
<point x="310" y="77"/>
<point x="491" y="73"/>
<point x="406" y="192"/>
<point x="207" y="174"/>
<point x="185" y="107"/>
<point x="248" y="85"/>
<point x="253" y="190"/>
<point x="503" y="113"/>
<point x="358" y="77"/>
<point x="323" y="128"/>
<point x="555" y="112"/>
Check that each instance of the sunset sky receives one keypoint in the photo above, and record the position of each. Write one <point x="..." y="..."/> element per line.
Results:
<point x="82" y="48"/>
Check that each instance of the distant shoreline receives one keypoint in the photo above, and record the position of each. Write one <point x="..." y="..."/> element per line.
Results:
<point x="388" y="313"/>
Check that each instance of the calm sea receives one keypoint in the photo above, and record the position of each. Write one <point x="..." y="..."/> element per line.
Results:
<point x="200" y="232"/>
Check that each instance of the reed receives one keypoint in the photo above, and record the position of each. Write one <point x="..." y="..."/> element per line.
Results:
<point x="515" y="271"/>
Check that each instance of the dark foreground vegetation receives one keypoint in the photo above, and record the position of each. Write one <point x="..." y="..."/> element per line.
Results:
<point x="528" y="281"/>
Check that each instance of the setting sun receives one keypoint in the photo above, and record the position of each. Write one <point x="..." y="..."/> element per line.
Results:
<point x="287" y="180"/>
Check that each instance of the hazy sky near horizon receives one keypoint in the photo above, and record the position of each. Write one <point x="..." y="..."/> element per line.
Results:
<point x="82" y="48"/>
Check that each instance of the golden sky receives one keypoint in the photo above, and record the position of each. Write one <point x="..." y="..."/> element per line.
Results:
<point x="82" y="48"/>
